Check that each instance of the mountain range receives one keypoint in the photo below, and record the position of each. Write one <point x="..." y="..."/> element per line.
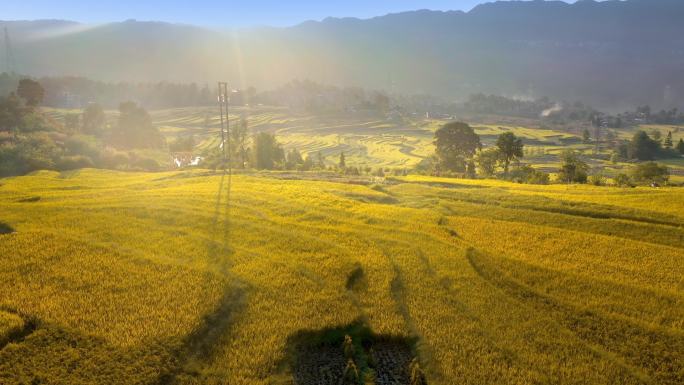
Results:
<point x="611" y="54"/>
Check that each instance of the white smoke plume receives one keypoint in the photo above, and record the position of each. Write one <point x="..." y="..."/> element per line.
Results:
<point x="556" y="108"/>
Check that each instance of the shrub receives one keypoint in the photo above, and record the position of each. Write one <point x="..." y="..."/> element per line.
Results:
<point x="573" y="168"/>
<point x="351" y="171"/>
<point x="113" y="159"/>
<point x="146" y="164"/>
<point x="623" y="180"/>
<point x="614" y="157"/>
<point x="399" y="172"/>
<point x="650" y="172"/>
<point x="597" y="180"/>
<point x="31" y="153"/>
<point x="82" y="145"/>
<point x="527" y="174"/>
<point x="34" y="122"/>
<point x="538" y="177"/>
<point x="487" y="161"/>
<point x="8" y="160"/>
<point x="74" y="162"/>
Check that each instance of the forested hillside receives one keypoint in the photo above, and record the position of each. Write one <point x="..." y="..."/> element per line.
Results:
<point x="609" y="54"/>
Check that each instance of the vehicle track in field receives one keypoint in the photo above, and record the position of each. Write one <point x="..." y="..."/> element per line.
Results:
<point x="637" y="348"/>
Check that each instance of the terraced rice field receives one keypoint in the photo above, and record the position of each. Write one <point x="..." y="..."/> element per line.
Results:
<point x="375" y="141"/>
<point x="172" y="278"/>
<point x="369" y="142"/>
<point x="366" y="141"/>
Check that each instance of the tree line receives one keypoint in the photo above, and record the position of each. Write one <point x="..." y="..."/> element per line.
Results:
<point x="32" y="140"/>
<point x="649" y="147"/>
<point x="76" y="92"/>
<point x="459" y="152"/>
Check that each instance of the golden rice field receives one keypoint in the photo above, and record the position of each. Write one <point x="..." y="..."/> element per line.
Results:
<point x="172" y="278"/>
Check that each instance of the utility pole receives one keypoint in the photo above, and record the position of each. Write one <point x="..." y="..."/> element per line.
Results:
<point x="9" y="55"/>
<point x="223" y="101"/>
<point x="597" y="122"/>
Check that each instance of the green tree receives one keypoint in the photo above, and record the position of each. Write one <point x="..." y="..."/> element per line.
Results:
<point x="135" y="129"/>
<point x="343" y="162"/>
<point x="487" y="160"/>
<point x="470" y="169"/>
<point x="510" y="148"/>
<point x="294" y="160"/>
<point x="586" y="136"/>
<point x="644" y="111"/>
<point x="71" y="122"/>
<point x="656" y="135"/>
<point x="455" y="143"/>
<point x="573" y="168"/>
<point x="643" y="147"/>
<point x="320" y="160"/>
<point x="650" y="172"/>
<point x="622" y="180"/>
<point x="527" y="174"/>
<point x="680" y="146"/>
<point x="81" y="145"/>
<point x="11" y="114"/>
<point x="308" y="163"/>
<point x="238" y="143"/>
<point x="31" y="91"/>
<point x="267" y="151"/>
<point x="38" y="152"/>
<point x="93" y="120"/>
<point x="668" y="140"/>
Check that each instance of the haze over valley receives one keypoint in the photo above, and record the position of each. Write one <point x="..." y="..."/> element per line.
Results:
<point x="614" y="54"/>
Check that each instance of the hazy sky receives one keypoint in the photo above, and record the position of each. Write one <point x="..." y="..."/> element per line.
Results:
<point x="214" y="12"/>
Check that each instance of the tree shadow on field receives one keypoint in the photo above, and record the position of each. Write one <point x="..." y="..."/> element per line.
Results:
<point x="5" y="228"/>
<point x="319" y="357"/>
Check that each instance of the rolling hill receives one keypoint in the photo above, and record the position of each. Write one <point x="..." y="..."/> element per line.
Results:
<point x="172" y="278"/>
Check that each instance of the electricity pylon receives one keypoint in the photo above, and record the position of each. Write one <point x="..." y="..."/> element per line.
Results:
<point x="224" y="100"/>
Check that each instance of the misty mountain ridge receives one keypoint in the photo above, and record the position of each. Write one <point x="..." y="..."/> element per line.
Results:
<point x="612" y="54"/>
